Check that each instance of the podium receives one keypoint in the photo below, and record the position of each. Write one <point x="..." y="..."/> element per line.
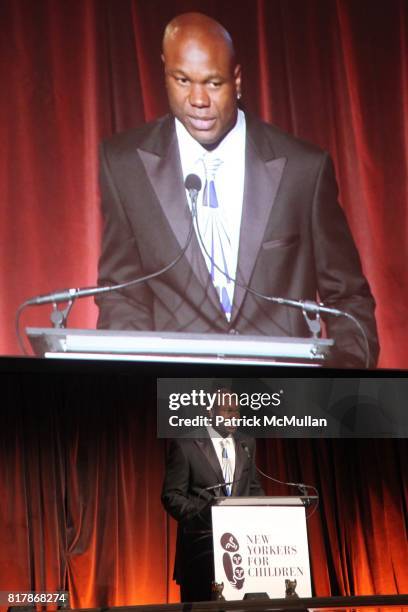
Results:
<point x="260" y="543"/>
<point x="177" y="347"/>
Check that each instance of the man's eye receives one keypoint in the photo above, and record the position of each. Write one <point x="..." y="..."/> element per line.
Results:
<point x="182" y="80"/>
<point x="215" y="84"/>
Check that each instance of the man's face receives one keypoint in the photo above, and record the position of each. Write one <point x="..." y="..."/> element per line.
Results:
<point x="227" y="409"/>
<point x="202" y="87"/>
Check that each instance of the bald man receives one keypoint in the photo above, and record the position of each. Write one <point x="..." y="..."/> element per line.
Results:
<point x="267" y="216"/>
<point x="195" y="473"/>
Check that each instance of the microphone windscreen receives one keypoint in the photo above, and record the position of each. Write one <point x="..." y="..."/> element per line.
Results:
<point x="246" y="449"/>
<point x="192" y="182"/>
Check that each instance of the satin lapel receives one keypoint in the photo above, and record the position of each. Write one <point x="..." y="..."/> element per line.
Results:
<point x="240" y="460"/>
<point x="262" y="180"/>
<point x="166" y="177"/>
<point x="207" y="448"/>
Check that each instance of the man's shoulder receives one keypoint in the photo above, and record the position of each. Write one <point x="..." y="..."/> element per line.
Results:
<point x="269" y="138"/>
<point x="191" y="438"/>
<point x="148" y="135"/>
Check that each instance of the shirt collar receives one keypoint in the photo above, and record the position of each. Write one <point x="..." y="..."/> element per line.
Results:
<point x="190" y="149"/>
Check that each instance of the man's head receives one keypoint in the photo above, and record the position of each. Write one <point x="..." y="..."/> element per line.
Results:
<point x="227" y="407"/>
<point x="203" y="80"/>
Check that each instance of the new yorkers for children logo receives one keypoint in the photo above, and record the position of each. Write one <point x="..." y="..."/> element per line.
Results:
<point x="232" y="560"/>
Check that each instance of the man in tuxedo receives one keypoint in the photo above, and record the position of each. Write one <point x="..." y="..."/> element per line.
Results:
<point x="197" y="471"/>
<point x="267" y="219"/>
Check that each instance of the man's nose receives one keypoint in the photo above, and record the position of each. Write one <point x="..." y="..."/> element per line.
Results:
<point x="199" y="96"/>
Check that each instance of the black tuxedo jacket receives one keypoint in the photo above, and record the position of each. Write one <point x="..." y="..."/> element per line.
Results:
<point x="192" y="466"/>
<point x="294" y="242"/>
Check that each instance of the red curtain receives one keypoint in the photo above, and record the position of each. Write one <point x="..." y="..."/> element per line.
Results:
<point x="80" y="484"/>
<point x="334" y="72"/>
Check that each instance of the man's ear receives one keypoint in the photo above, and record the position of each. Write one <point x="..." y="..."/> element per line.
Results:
<point x="238" y="79"/>
<point x="162" y="58"/>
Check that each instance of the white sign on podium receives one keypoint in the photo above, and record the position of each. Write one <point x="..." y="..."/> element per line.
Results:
<point x="259" y="544"/>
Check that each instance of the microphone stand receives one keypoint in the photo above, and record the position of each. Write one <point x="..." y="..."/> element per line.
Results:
<point x="59" y="317"/>
<point x="306" y="306"/>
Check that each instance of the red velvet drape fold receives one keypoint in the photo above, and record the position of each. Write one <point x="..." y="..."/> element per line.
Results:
<point x="80" y="483"/>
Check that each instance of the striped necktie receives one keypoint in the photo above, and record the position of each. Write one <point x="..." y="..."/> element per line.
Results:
<point x="226" y="466"/>
<point x="216" y="237"/>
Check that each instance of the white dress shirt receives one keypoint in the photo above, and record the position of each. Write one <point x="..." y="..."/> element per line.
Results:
<point x="229" y="179"/>
<point x="218" y="443"/>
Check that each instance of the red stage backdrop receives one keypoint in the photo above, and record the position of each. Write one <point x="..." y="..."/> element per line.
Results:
<point x="80" y="483"/>
<point x="332" y="72"/>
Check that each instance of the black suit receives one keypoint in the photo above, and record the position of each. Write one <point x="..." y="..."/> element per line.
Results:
<point x="294" y="241"/>
<point x="192" y="465"/>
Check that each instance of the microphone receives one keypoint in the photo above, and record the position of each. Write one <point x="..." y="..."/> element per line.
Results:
<point x="246" y="449"/>
<point x="302" y="487"/>
<point x="193" y="186"/>
<point x="220" y="485"/>
<point x="306" y="306"/>
<point x="212" y="488"/>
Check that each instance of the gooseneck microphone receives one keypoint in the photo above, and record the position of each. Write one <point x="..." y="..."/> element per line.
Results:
<point x="302" y="488"/>
<point x="245" y="446"/>
<point x="221" y="485"/>
<point x="213" y="488"/>
<point x="193" y="185"/>
<point x="307" y="306"/>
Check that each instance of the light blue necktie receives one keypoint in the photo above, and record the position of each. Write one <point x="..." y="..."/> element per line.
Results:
<point x="226" y="467"/>
<point x="216" y="236"/>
